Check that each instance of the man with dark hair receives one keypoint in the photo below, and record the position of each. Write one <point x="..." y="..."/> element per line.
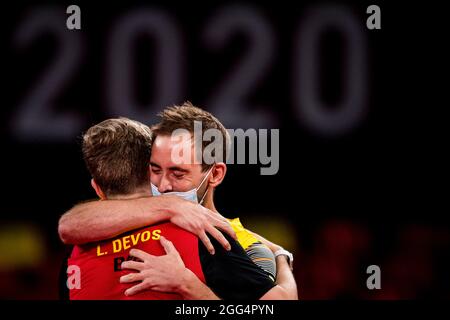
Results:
<point x="191" y="177"/>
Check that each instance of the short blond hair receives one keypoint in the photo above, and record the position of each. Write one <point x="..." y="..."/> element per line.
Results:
<point x="117" y="154"/>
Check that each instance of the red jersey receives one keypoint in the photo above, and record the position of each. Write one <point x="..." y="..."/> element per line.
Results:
<point x="100" y="263"/>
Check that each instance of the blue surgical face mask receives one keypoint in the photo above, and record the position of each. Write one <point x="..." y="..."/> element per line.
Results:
<point x="190" y="195"/>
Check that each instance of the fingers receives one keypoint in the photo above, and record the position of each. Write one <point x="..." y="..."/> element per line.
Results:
<point x="226" y="227"/>
<point x="136" y="289"/>
<point x="221" y="223"/>
<point x="167" y="245"/>
<point x="204" y="238"/>
<point x="134" y="265"/>
<point x="140" y="254"/>
<point x="131" y="277"/>
<point x="219" y="237"/>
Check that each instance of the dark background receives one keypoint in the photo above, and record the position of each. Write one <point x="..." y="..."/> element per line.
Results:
<point x="363" y="188"/>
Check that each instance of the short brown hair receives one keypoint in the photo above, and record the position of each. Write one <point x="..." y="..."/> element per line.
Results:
<point x="183" y="117"/>
<point x="117" y="154"/>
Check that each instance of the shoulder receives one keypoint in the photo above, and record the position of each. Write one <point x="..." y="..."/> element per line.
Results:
<point x="232" y="274"/>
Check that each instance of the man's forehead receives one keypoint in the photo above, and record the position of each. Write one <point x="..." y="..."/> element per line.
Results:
<point x="168" y="150"/>
<point x="174" y="140"/>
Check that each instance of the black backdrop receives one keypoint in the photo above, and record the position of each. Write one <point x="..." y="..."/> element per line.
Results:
<point x="357" y="190"/>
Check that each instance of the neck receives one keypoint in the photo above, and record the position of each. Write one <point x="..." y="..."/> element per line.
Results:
<point x="208" y="203"/>
<point x="139" y="193"/>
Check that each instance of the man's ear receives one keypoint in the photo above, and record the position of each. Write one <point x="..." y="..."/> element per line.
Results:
<point x="98" y="190"/>
<point x="217" y="174"/>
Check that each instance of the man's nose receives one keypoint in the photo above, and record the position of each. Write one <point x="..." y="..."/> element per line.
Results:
<point x="164" y="185"/>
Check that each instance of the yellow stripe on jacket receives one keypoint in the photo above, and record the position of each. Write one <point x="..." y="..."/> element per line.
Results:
<point x="258" y="252"/>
